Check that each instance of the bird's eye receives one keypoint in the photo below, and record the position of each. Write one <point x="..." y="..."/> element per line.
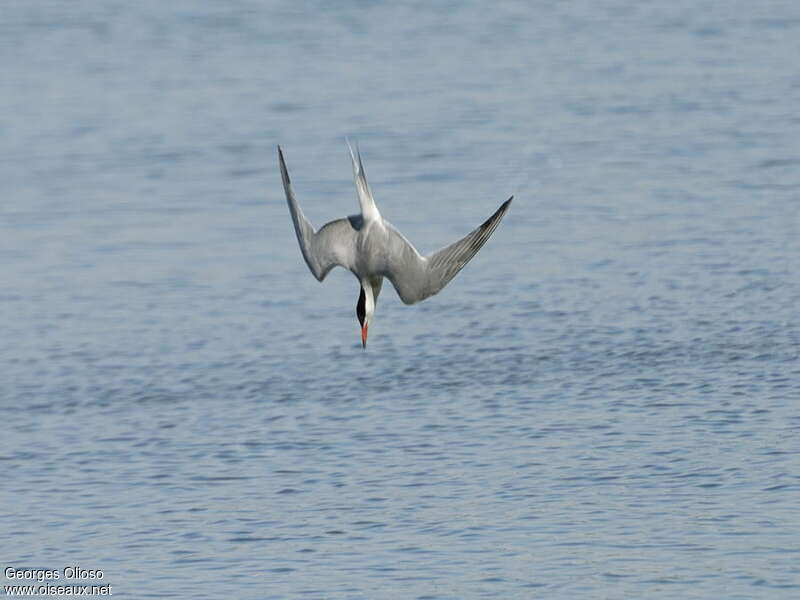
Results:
<point x="361" y="310"/>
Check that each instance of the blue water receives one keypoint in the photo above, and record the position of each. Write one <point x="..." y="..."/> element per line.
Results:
<point x="604" y="404"/>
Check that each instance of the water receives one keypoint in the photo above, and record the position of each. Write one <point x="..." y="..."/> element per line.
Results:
<point x="603" y="404"/>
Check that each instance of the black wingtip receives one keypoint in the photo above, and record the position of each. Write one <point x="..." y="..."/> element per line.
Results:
<point x="284" y="170"/>
<point x="504" y="206"/>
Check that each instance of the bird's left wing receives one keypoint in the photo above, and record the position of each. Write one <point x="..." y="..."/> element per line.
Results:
<point x="332" y="245"/>
<point x="362" y="187"/>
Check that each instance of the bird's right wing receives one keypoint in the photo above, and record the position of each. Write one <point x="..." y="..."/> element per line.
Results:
<point x="416" y="278"/>
<point x="332" y="245"/>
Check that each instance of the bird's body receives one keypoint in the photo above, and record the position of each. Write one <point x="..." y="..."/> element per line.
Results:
<point x="371" y="248"/>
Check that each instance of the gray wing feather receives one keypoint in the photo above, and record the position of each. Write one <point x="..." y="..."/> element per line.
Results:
<point x="324" y="249"/>
<point x="416" y="278"/>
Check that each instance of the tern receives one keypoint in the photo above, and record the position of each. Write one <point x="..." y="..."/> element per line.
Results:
<point x="372" y="249"/>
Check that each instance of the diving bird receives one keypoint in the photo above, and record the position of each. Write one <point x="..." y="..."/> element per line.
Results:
<point x="372" y="249"/>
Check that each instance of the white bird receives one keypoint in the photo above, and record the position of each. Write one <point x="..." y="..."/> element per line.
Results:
<point x="372" y="249"/>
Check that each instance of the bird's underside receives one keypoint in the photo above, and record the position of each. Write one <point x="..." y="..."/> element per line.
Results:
<point x="371" y="247"/>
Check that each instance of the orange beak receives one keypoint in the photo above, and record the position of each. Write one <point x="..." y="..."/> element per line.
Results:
<point x="364" y="335"/>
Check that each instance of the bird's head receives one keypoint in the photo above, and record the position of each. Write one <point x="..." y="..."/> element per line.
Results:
<point x="364" y="311"/>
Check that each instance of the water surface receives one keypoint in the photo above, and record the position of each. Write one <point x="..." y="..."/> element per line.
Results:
<point x="603" y="404"/>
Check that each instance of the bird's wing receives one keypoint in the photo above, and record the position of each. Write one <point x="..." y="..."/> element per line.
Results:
<point x="416" y="277"/>
<point x="369" y="209"/>
<point x="332" y="245"/>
